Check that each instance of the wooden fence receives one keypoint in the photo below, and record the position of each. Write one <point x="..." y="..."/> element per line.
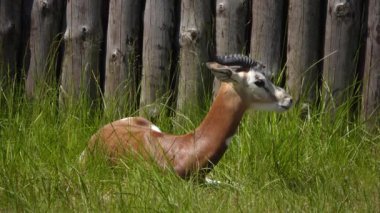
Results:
<point x="132" y="50"/>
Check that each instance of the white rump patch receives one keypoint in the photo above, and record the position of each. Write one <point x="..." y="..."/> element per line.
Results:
<point x="126" y="119"/>
<point x="152" y="126"/>
<point x="228" y="141"/>
<point x="155" y="128"/>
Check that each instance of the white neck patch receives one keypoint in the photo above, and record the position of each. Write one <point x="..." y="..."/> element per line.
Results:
<point x="155" y="128"/>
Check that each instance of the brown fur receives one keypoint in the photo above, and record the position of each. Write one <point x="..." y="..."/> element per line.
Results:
<point x="196" y="152"/>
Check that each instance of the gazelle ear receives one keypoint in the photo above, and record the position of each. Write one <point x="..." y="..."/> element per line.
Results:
<point x="223" y="72"/>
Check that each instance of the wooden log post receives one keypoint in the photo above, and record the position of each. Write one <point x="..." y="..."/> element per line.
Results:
<point x="82" y="46"/>
<point x="194" y="38"/>
<point x="303" y="48"/>
<point x="231" y="23"/>
<point x="371" y="83"/>
<point x="267" y="33"/>
<point x="10" y="34"/>
<point x="123" y="42"/>
<point x="24" y="53"/>
<point x="46" y="20"/>
<point x="158" y="39"/>
<point x="341" y="47"/>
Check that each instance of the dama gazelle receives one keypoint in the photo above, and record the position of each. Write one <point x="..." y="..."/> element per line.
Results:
<point x="243" y="86"/>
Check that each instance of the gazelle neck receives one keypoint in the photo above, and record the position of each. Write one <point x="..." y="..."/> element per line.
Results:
<point x="219" y="124"/>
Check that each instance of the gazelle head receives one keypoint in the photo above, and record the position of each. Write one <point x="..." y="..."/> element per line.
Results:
<point x="249" y="80"/>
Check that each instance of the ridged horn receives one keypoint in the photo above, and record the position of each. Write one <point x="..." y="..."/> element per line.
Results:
<point x="238" y="60"/>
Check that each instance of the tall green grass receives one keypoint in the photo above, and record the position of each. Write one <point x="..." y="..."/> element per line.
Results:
<point x="276" y="163"/>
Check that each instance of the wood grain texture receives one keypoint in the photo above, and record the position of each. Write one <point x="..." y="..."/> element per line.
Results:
<point x="303" y="48"/>
<point x="158" y="40"/>
<point x="123" y="42"/>
<point x="46" y="20"/>
<point x="82" y="39"/>
<point x="341" y="49"/>
<point x="10" y="34"/>
<point x="194" y="39"/>
<point x="231" y="23"/>
<point x="371" y="81"/>
<point x="267" y="33"/>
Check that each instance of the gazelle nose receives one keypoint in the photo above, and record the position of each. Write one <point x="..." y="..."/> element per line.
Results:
<point x="290" y="101"/>
<point x="287" y="103"/>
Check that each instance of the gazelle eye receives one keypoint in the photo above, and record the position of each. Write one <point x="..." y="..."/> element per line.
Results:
<point x="260" y="83"/>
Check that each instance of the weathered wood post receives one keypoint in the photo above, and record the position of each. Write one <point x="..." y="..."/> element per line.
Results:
<point x="268" y="33"/>
<point x="194" y="38"/>
<point x="159" y="23"/>
<point x="231" y="23"/>
<point x="341" y="47"/>
<point x="371" y="82"/>
<point x="123" y="42"/>
<point x="46" y="20"/>
<point x="10" y="34"/>
<point x="24" y="55"/>
<point x="303" y="48"/>
<point x="82" y="45"/>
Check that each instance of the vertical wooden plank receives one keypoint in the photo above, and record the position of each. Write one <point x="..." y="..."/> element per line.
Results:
<point x="159" y="23"/>
<point x="24" y="54"/>
<point x="195" y="33"/>
<point x="124" y="29"/>
<point x="46" y="20"/>
<point x="82" y="45"/>
<point x="231" y="23"/>
<point x="371" y="81"/>
<point x="341" y="47"/>
<point x="267" y="34"/>
<point x="10" y="34"/>
<point x="303" y="48"/>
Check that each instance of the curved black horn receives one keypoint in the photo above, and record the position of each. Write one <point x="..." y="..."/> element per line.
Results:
<point x="238" y="60"/>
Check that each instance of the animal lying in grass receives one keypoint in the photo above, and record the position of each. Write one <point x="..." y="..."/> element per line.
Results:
<point x="243" y="86"/>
